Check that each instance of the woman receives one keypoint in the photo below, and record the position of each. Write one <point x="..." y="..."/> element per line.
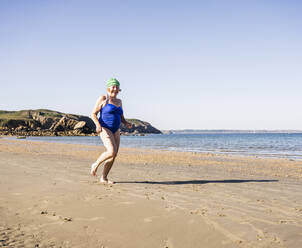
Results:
<point x="108" y="124"/>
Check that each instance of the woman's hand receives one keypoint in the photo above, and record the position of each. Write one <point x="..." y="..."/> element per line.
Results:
<point x="128" y="124"/>
<point x="98" y="129"/>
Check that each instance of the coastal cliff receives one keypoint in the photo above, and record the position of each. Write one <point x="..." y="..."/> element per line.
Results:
<point x="44" y="122"/>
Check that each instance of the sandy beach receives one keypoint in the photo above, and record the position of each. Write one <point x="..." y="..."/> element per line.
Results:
<point x="161" y="199"/>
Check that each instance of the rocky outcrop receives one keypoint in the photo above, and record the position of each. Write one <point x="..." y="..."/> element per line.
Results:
<point x="64" y="123"/>
<point x="80" y="125"/>
<point x="53" y="123"/>
<point x="139" y="127"/>
<point x="45" y="122"/>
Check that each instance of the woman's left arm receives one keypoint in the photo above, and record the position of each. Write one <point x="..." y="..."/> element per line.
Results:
<point x="124" y="121"/>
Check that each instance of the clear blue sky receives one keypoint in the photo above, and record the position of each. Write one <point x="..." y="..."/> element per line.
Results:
<point x="181" y="64"/>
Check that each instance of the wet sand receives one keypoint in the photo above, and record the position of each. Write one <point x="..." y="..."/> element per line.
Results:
<point x="161" y="199"/>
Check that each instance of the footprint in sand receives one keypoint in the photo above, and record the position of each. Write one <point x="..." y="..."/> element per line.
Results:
<point x="199" y="211"/>
<point x="53" y="215"/>
<point x="283" y="221"/>
<point x="299" y="209"/>
<point x="66" y="219"/>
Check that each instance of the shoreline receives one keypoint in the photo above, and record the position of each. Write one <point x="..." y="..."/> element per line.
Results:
<point x="166" y="157"/>
<point x="243" y="154"/>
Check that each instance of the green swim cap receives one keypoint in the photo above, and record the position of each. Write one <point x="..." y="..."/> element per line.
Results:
<point x="112" y="82"/>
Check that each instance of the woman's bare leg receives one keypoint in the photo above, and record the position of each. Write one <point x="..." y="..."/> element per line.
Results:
<point x="109" y="142"/>
<point x="108" y="163"/>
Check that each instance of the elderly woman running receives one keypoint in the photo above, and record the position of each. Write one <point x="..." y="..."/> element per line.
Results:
<point x="108" y="126"/>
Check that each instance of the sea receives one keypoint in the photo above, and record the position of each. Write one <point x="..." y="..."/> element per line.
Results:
<point x="276" y="145"/>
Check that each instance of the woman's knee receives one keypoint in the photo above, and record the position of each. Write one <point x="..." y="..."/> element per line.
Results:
<point x="112" y="154"/>
<point x="110" y="160"/>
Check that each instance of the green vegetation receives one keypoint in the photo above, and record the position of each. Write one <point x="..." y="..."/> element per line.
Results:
<point x="136" y="121"/>
<point x="26" y="114"/>
<point x="14" y="115"/>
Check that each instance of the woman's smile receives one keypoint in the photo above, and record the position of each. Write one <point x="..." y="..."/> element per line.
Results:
<point x="113" y="90"/>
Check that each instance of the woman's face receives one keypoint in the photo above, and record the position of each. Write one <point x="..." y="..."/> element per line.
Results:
<point x="113" y="90"/>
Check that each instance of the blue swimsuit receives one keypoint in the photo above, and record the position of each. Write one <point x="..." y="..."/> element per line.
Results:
<point x="110" y="117"/>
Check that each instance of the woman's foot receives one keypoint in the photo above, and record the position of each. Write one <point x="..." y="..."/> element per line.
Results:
<point x="106" y="181"/>
<point x="110" y="182"/>
<point x="93" y="169"/>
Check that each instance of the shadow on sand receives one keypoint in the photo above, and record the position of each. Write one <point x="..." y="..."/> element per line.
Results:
<point x="200" y="181"/>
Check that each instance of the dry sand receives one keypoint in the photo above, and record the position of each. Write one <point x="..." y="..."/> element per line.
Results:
<point x="161" y="199"/>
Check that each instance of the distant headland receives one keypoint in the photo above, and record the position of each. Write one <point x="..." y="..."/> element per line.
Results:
<point x="44" y="122"/>
<point x="221" y="131"/>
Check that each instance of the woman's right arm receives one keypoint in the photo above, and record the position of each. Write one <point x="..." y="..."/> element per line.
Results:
<point x="96" y="110"/>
